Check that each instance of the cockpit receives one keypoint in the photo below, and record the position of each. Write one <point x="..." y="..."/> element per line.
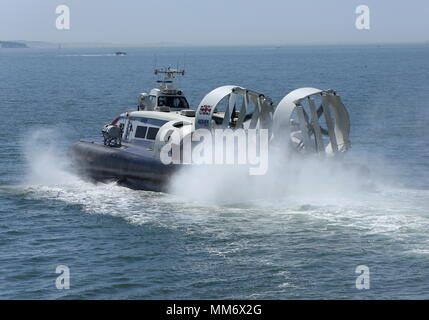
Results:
<point x="174" y="102"/>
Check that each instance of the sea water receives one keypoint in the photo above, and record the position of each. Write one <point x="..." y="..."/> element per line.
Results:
<point x="300" y="236"/>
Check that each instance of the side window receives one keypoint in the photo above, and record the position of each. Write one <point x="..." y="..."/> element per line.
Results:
<point x="141" y="132"/>
<point x="152" y="100"/>
<point x="179" y="103"/>
<point x="151" y="133"/>
<point x="162" y="101"/>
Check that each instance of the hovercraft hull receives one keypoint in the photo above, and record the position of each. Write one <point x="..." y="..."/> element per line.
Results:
<point x="141" y="170"/>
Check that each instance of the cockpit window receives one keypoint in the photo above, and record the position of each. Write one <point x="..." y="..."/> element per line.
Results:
<point x="140" y="132"/>
<point x="151" y="133"/>
<point x="173" y="102"/>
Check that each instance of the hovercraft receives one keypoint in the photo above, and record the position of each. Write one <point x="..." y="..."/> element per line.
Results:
<point x="133" y="147"/>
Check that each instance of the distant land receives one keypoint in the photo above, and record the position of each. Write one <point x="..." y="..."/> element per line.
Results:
<point x="53" y="45"/>
<point x="27" y="44"/>
<point x="162" y="44"/>
<point x="12" y="44"/>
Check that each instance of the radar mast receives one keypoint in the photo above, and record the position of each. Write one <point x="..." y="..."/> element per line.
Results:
<point x="169" y="75"/>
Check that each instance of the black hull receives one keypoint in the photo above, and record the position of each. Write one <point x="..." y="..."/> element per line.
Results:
<point x="100" y="163"/>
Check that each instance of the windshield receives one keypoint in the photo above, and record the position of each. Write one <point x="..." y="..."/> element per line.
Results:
<point x="173" y="102"/>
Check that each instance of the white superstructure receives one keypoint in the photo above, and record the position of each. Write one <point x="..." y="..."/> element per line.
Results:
<point x="308" y="119"/>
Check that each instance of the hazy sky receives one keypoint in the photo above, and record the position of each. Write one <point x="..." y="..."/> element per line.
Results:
<point x="216" y="22"/>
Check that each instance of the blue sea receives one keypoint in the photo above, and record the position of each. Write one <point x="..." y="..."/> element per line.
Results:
<point x="300" y="239"/>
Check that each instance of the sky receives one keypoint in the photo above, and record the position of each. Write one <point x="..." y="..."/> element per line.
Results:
<point x="216" y="22"/>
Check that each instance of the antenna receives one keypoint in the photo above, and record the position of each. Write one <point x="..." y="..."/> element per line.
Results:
<point x="154" y="61"/>
<point x="169" y="72"/>
<point x="169" y="75"/>
<point x="184" y="60"/>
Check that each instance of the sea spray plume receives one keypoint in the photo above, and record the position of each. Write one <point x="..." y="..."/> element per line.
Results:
<point x="309" y="178"/>
<point x="46" y="163"/>
<point x="50" y="176"/>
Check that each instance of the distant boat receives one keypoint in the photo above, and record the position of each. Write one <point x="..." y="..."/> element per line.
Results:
<point x="120" y="53"/>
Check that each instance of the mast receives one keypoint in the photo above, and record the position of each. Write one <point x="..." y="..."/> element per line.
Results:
<point x="169" y="75"/>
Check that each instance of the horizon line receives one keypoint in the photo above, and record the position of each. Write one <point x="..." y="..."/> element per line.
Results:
<point x="88" y="44"/>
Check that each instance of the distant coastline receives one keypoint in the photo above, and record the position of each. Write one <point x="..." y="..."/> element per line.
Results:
<point x="12" y="44"/>
<point x="77" y="45"/>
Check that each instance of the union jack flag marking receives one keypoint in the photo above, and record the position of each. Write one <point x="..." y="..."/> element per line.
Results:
<point x="205" y="110"/>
